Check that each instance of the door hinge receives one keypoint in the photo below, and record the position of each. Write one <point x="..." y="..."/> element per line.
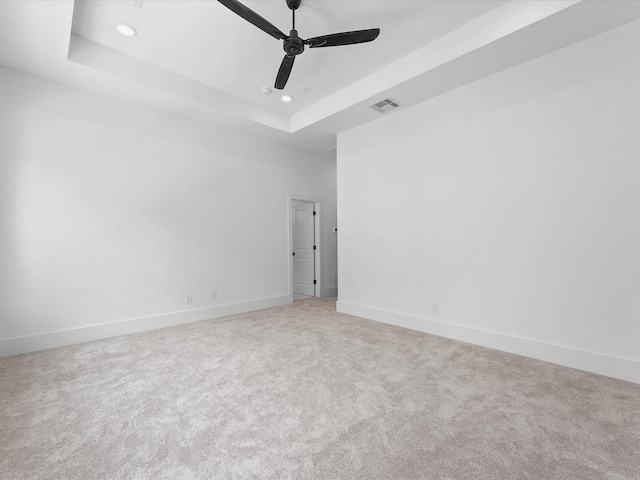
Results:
<point x="314" y="213"/>
<point x="314" y="247"/>
<point x="314" y="282"/>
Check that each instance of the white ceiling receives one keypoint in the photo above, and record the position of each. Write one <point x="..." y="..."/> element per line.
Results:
<point x="197" y="59"/>
<point x="207" y="42"/>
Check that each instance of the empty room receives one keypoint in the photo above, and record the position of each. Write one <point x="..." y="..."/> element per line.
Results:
<point x="320" y="239"/>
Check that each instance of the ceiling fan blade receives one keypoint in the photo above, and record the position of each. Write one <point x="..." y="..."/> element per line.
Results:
<point x="284" y="71"/>
<point x="344" y="38"/>
<point x="252" y="17"/>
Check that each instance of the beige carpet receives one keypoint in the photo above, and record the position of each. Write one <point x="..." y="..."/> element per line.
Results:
<point x="301" y="392"/>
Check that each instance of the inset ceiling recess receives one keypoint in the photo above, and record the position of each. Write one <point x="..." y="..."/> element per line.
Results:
<point x="385" y="105"/>
<point x="198" y="70"/>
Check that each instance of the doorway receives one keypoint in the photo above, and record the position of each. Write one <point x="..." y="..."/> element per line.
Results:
<point x="304" y="242"/>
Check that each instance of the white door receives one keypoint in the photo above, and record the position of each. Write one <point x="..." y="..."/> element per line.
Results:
<point x="303" y="251"/>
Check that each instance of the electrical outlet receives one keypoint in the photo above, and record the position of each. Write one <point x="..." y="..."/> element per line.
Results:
<point x="434" y="307"/>
<point x="214" y="294"/>
<point x="188" y="298"/>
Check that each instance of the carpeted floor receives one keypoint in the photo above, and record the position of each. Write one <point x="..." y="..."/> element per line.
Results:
<point x="302" y="392"/>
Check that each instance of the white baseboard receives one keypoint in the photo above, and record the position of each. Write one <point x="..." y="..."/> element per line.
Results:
<point x="44" y="341"/>
<point x="602" y="364"/>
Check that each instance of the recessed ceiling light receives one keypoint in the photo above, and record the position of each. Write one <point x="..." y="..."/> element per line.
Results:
<point x="287" y="98"/>
<point x="126" y="30"/>
<point x="266" y="90"/>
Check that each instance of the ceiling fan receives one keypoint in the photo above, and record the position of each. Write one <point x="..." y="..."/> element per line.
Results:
<point x="294" y="45"/>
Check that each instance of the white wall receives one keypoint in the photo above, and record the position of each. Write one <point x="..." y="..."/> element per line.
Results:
<point x="514" y="203"/>
<point x="110" y="212"/>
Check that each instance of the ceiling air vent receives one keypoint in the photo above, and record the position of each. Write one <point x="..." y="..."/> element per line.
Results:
<point x="385" y="105"/>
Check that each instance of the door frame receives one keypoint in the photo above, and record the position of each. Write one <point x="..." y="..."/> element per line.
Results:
<point x="317" y="204"/>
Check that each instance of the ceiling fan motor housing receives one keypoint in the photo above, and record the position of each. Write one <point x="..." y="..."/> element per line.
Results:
<point x="293" y="45"/>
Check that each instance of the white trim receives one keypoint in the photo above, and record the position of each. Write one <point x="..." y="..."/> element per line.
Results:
<point x="594" y="362"/>
<point x="61" y="338"/>
<point x="317" y="201"/>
